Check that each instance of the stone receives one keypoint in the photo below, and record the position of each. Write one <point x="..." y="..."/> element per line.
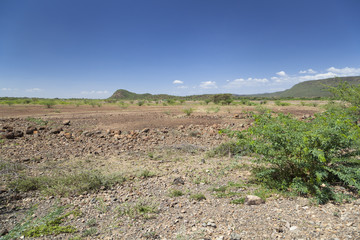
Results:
<point x="56" y="130"/>
<point x="66" y="122"/>
<point x="8" y="135"/>
<point x="18" y="134"/>
<point x="3" y="232"/>
<point x="30" y="130"/>
<point x="293" y="228"/>
<point x="235" y="236"/>
<point x="145" y="130"/>
<point x="253" y="200"/>
<point x="67" y="135"/>
<point x="179" y="181"/>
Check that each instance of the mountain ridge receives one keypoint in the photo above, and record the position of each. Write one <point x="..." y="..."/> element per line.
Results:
<point x="306" y="89"/>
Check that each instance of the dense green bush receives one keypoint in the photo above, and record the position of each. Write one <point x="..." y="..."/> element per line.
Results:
<point x="224" y="99"/>
<point x="309" y="158"/>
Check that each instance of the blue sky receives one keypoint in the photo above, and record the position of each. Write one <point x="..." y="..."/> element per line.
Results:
<point x="89" y="49"/>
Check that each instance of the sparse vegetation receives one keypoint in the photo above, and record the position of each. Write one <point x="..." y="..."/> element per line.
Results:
<point x="65" y="185"/>
<point x="143" y="208"/>
<point x="197" y="196"/>
<point x="188" y="111"/>
<point x="175" y="193"/>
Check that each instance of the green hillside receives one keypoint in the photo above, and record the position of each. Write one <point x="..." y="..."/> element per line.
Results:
<point x="308" y="89"/>
<point x="122" y="94"/>
<point x="311" y="89"/>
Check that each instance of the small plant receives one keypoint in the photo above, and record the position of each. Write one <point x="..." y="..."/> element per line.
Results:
<point x="50" y="224"/>
<point x="207" y="101"/>
<point x="198" y="197"/>
<point x="140" y="103"/>
<point x="175" y="193"/>
<point x="65" y="185"/>
<point x="49" y="103"/>
<point x="151" y="235"/>
<point x="143" y="208"/>
<point x="238" y="201"/>
<point x="38" y="121"/>
<point x="231" y="148"/>
<point x="188" y="111"/>
<point x="213" y="109"/>
<point x="89" y="232"/>
<point x="279" y="103"/>
<point x="146" y="174"/>
<point x="91" y="222"/>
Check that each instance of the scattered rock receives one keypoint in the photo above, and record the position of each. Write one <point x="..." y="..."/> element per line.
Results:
<point x="293" y="228"/>
<point x="56" y="130"/>
<point x="3" y="232"/>
<point x="30" y="130"/>
<point x="179" y="181"/>
<point x="18" y="134"/>
<point x="66" y="122"/>
<point x="253" y="200"/>
<point x="235" y="236"/>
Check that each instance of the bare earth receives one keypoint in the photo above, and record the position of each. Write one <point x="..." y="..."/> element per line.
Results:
<point x="158" y="149"/>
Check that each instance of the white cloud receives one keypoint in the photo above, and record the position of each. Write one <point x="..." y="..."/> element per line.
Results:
<point x="6" y="89"/>
<point x="346" y="71"/>
<point x="94" y="92"/>
<point x="178" y="82"/>
<point x="182" y="87"/>
<point x="240" y="82"/>
<point x="310" y="71"/>
<point x="33" y="90"/>
<point x="208" y="84"/>
<point x="281" y="73"/>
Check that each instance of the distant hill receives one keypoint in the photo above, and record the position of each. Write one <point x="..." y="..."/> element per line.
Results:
<point x="308" y="89"/>
<point x="123" y="94"/>
<point x="311" y="89"/>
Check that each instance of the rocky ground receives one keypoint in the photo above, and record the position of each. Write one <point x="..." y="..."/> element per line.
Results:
<point x="171" y="188"/>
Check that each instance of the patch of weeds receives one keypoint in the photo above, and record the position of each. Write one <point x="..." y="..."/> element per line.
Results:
<point x="146" y="174"/>
<point x="144" y="208"/>
<point x="89" y="232"/>
<point x="91" y="222"/>
<point x="65" y="185"/>
<point x="188" y="111"/>
<point x="167" y="112"/>
<point x="175" y="193"/>
<point x="150" y="155"/>
<point x="198" y="197"/>
<point x="231" y="148"/>
<point x="47" y="225"/>
<point x="213" y="109"/>
<point x="101" y="206"/>
<point x="201" y="180"/>
<point x="194" y="133"/>
<point x="238" y="201"/>
<point x="264" y="193"/>
<point x="279" y="103"/>
<point x="151" y="235"/>
<point x="37" y="121"/>
<point x="229" y="190"/>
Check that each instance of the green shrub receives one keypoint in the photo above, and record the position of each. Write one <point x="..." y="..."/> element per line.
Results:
<point x="308" y="157"/>
<point x="198" y="197"/>
<point x="188" y="111"/>
<point x="49" y="103"/>
<point x="223" y="99"/>
<point x="279" y="103"/>
<point x="175" y="193"/>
